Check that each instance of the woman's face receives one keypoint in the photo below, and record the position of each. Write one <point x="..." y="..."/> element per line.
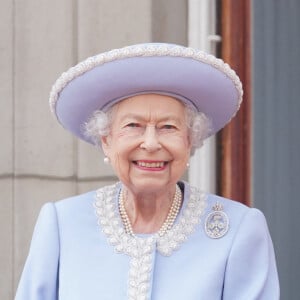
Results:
<point x="148" y="144"/>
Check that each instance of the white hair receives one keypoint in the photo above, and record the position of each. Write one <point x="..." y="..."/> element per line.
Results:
<point x="199" y="126"/>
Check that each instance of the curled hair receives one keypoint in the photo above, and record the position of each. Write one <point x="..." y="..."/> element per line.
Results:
<point x="199" y="126"/>
<point x="98" y="125"/>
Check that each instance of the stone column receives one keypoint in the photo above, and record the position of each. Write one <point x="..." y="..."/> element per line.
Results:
<point x="39" y="161"/>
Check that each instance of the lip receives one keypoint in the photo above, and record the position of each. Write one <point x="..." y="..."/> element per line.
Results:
<point x="150" y="165"/>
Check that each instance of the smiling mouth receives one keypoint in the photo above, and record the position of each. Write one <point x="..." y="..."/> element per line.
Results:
<point x="151" y="165"/>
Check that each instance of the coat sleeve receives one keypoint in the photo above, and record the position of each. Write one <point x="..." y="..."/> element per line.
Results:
<point x="251" y="268"/>
<point x="39" y="280"/>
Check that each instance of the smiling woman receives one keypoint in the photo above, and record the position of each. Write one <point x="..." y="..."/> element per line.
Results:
<point x="153" y="229"/>
<point x="149" y="149"/>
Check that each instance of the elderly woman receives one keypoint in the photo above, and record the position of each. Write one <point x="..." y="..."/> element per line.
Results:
<point x="149" y="236"/>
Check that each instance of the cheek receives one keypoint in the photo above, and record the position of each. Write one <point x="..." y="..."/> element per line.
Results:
<point x="120" y="165"/>
<point x="120" y="156"/>
<point x="121" y="135"/>
<point x="180" y="144"/>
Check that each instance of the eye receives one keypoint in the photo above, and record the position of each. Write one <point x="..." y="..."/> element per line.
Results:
<point x="168" y="126"/>
<point x="133" y="125"/>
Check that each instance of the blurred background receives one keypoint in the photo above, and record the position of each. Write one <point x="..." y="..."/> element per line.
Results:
<point x="254" y="160"/>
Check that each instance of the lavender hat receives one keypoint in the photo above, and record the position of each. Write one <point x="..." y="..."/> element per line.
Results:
<point x="190" y="75"/>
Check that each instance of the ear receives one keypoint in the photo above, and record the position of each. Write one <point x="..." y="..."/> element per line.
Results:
<point x="105" y="143"/>
<point x="189" y="141"/>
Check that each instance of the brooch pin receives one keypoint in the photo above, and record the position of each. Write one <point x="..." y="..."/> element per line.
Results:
<point x="217" y="222"/>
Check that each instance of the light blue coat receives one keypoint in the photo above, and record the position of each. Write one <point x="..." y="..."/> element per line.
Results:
<point x="80" y="251"/>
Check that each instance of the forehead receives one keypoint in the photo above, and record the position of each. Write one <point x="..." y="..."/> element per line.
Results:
<point x="150" y="105"/>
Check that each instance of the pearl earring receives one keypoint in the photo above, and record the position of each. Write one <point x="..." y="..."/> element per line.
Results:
<point x="106" y="160"/>
<point x="187" y="165"/>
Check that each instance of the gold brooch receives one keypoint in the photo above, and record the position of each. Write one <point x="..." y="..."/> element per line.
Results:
<point x="217" y="222"/>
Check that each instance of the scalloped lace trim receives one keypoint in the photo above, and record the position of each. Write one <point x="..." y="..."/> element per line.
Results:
<point x="141" y="249"/>
<point x="142" y="50"/>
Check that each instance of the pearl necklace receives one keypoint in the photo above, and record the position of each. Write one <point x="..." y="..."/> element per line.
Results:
<point x="168" y="223"/>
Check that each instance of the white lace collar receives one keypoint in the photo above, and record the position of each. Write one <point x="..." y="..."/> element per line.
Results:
<point x="140" y="249"/>
<point x="110" y="222"/>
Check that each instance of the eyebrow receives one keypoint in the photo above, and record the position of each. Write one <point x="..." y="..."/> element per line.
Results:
<point x="140" y="118"/>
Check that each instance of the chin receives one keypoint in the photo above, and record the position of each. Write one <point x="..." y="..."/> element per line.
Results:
<point x="149" y="185"/>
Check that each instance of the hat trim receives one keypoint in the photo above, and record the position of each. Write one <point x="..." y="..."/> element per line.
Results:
<point x="149" y="50"/>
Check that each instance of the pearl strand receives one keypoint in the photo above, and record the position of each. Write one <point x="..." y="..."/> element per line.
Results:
<point x="168" y="223"/>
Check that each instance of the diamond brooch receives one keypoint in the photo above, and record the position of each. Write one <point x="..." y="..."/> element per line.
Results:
<point x="217" y="222"/>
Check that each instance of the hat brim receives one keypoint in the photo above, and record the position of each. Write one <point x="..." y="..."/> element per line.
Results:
<point x="208" y="88"/>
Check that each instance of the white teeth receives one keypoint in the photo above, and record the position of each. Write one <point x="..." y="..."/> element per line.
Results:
<point x="150" y="165"/>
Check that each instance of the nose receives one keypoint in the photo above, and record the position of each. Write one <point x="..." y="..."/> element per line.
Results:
<point x="150" y="139"/>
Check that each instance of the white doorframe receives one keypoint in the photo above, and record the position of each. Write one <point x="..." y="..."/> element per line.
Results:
<point x="202" y="35"/>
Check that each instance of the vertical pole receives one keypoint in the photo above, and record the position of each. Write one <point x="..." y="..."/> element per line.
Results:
<point x="234" y="141"/>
